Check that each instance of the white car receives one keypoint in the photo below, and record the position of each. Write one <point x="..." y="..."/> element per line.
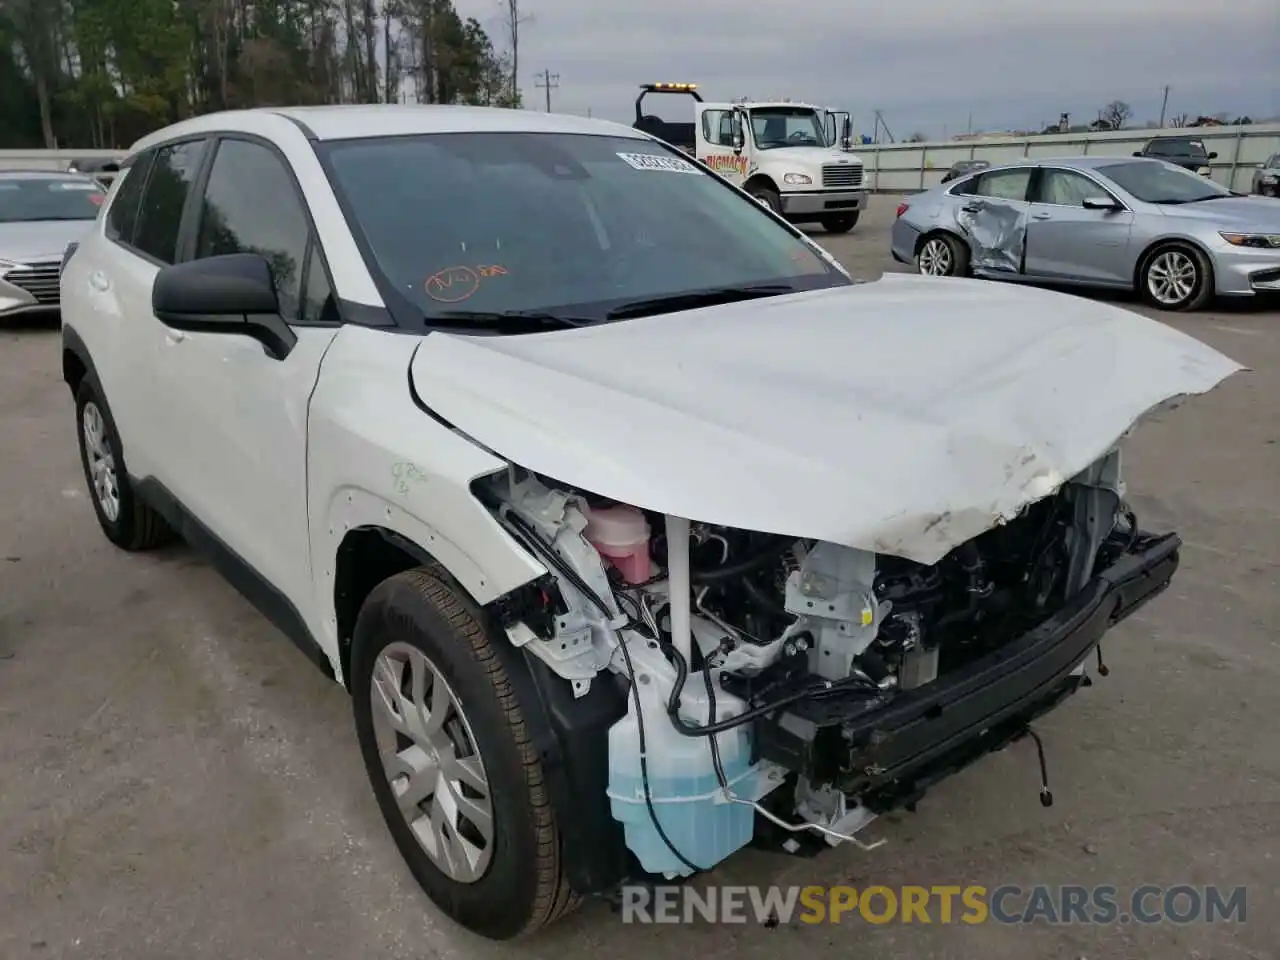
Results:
<point x="636" y="529"/>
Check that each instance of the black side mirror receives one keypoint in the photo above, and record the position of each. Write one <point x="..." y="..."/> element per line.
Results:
<point x="1213" y="154"/>
<point x="1099" y="203"/>
<point x="229" y="294"/>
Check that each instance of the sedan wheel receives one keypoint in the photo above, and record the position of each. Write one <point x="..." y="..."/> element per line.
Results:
<point x="1177" y="278"/>
<point x="937" y="258"/>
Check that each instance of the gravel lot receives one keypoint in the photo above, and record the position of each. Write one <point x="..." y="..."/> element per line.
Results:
<point x="175" y="780"/>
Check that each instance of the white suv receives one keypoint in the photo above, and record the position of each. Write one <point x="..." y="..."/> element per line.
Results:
<point x="635" y="528"/>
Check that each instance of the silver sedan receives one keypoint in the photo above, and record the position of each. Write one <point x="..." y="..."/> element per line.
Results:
<point x="1123" y="223"/>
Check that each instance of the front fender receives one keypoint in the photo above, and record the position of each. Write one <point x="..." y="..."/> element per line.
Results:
<point x="376" y="460"/>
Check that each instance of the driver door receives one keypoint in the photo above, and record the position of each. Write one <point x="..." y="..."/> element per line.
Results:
<point x="1067" y="241"/>
<point x="715" y="143"/>
<point x="992" y="211"/>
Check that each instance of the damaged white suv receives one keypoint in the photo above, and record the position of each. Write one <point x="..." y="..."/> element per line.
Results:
<point x="636" y="529"/>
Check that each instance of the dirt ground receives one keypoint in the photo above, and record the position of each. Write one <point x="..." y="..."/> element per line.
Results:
<point x="176" y="781"/>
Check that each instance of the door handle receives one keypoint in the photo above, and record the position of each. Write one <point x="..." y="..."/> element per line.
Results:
<point x="1041" y="216"/>
<point x="99" y="281"/>
<point x="175" y="337"/>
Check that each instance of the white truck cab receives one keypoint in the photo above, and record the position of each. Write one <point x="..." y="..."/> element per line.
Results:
<point x="785" y="154"/>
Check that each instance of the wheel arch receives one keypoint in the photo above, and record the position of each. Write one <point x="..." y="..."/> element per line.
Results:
<point x="77" y="364"/>
<point x="938" y="231"/>
<point x="760" y="180"/>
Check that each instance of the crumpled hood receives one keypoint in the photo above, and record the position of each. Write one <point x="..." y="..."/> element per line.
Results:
<point x="904" y="416"/>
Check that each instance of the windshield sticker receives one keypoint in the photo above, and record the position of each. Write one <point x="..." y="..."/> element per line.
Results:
<point x="74" y="185"/>
<point x="452" y="284"/>
<point x="97" y="198"/>
<point x="727" y="163"/>
<point x="651" y="161"/>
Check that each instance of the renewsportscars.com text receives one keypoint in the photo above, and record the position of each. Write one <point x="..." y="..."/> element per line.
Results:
<point x="941" y="904"/>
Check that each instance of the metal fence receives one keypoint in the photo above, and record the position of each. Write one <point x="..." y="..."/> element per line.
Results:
<point x="908" y="167"/>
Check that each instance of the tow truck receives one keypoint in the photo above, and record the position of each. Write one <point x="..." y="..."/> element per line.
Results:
<point x="784" y="154"/>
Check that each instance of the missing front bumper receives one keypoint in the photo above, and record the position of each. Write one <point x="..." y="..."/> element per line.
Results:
<point x="890" y="754"/>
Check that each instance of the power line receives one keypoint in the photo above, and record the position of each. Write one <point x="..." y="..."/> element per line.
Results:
<point x="548" y="81"/>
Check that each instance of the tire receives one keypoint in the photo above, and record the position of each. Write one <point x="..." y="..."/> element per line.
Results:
<point x="767" y="196"/>
<point x="840" y="224"/>
<point x="419" y="624"/>
<point x="942" y="255"/>
<point x="1176" y="276"/>
<point x="127" y="522"/>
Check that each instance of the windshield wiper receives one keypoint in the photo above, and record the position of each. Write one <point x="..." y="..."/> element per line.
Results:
<point x="702" y="298"/>
<point x="539" y="318"/>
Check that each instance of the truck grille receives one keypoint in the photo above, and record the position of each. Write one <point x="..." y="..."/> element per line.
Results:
<point x="38" y="279"/>
<point x="842" y="175"/>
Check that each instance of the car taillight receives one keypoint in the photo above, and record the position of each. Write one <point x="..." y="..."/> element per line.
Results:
<point x="902" y="208"/>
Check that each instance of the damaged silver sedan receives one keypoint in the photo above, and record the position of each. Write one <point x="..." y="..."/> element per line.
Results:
<point x="1124" y="223"/>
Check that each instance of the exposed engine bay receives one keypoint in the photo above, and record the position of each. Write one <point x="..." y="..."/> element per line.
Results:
<point x="752" y="660"/>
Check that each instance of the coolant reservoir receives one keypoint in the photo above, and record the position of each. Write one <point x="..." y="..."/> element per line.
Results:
<point x="621" y="534"/>
<point x="683" y="788"/>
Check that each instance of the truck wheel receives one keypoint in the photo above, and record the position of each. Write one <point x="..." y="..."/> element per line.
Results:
<point x="127" y="522"/>
<point x="451" y="758"/>
<point x="840" y="224"/>
<point x="767" y="196"/>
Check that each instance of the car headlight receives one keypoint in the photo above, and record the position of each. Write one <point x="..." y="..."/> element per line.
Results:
<point x="1256" y="240"/>
<point x="1268" y="178"/>
<point x="796" y="179"/>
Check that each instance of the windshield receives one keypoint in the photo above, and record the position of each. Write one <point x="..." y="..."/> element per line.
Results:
<point x="1191" y="149"/>
<point x="45" y="198"/>
<point x="460" y="225"/>
<point x="787" y="127"/>
<point x="1155" y="182"/>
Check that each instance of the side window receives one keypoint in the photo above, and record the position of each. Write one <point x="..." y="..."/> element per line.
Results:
<point x="172" y="173"/>
<point x="1067" y="188"/>
<point x="716" y="127"/>
<point x="122" y="215"/>
<point x="251" y="205"/>
<point x="1004" y="184"/>
<point x="318" y="305"/>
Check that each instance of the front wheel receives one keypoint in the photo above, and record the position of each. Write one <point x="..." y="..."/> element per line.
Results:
<point x="842" y="223"/>
<point x="768" y="197"/>
<point x="1177" y="277"/>
<point x="451" y="758"/>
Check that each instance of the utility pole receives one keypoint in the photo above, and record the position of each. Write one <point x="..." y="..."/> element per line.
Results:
<point x="1163" y="105"/>
<point x="548" y="81"/>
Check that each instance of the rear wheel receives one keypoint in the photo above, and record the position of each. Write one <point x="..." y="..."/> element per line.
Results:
<point x="127" y="522"/>
<point x="942" y="255"/>
<point x="841" y="223"/>
<point x="1177" y="276"/>
<point x="451" y="758"/>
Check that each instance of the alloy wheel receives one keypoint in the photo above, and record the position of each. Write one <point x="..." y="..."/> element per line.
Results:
<point x="1172" y="277"/>
<point x="935" y="258"/>
<point x="430" y="758"/>
<point x="102" y="463"/>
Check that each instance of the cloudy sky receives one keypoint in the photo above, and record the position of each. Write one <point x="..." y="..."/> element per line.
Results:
<point x="926" y="65"/>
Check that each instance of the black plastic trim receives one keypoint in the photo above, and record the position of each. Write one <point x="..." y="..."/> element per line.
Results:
<point x="253" y="586"/>
<point x="306" y="130"/>
<point x="571" y="735"/>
